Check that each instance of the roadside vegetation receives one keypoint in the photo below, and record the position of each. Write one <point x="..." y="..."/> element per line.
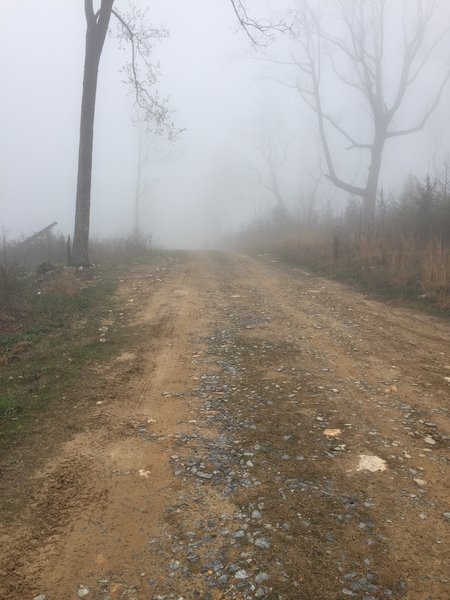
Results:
<point x="404" y="255"/>
<point x="56" y="324"/>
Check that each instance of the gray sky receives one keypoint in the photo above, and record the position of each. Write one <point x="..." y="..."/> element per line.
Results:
<point x="223" y="98"/>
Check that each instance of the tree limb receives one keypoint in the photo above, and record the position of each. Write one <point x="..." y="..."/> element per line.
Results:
<point x="346" y="187"/>
<point x="139" y="37"/>
<point x="353" y="142"/>
<point x="426" y="116"/>
<point x="411" y="50"/>
<point x="266" y="29"/>
<point x="133" y="50"/>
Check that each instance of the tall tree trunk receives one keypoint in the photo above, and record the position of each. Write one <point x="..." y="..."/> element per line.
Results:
<point x="369" y="196"/>
<point x="97" y="26"/>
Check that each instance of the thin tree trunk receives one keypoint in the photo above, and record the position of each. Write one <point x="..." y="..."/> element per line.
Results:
<point x="137" y="227"/>
<point x="138" y="190"/>
<point x="370" y="193"/>
<point x="97" y="26"/>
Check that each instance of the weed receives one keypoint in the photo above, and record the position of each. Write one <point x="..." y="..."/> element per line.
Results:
<point x="13" y="289"/>
<point x="400" y="268"/>
<point x="8" y="406"/>
<point x="52" y="344"/>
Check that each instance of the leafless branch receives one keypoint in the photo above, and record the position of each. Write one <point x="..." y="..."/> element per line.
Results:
<point x="427" y="55"/>
<point x="426" y="116"/>
<point x="412" y="46"/>
<point x="259" y="32"/>
<point x="143" y="74"/>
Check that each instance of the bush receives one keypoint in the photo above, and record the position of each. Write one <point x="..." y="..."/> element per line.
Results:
<point x="405" y="252"/>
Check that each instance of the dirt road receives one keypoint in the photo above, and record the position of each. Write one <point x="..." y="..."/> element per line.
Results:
<point x="277" y="436"/>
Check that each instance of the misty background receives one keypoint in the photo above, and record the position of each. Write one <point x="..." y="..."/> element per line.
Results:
<point x="225" y="96"/>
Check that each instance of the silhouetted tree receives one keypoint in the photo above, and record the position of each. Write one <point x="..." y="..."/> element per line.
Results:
<point x="353" y="45"/>
<point x="141" y="74"/>
<point x="273" y="150"/>
<point x="152" y="151"/>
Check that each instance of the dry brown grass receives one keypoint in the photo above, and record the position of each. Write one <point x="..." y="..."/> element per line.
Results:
<point x="435" y="271"/>
<point x="63" y="281"/>
<point x="401" y="262"/>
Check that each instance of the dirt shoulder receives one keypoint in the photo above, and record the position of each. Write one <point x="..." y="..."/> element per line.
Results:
<point x="268" y="434"/>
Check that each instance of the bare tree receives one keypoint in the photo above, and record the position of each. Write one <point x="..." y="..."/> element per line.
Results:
<point x="141" y="74"/>
<point x="273" y="151"/>
<point x="152" y="150"/>
<point x="354" y="47"/>
<point x="308" y="197"/>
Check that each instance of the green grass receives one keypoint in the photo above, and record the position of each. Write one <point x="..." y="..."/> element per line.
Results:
<point x="8" y="342"/>
<point x="54" y="368"/>
<point x="51" y="356"/>
<point x="13" y="288"/>
<point x="53" y="346"/>
<point x="8" y="406"/>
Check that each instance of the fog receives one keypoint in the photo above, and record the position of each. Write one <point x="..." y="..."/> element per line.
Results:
<point x="226" y="97"/>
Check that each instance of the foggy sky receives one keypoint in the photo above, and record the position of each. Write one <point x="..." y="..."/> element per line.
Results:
<point x="221" y="96"/>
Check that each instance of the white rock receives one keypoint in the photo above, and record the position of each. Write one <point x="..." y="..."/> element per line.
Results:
<point x="242" y="574"/>
<point x="261" y="578"/>
<point x="83" y="591"/>
<point x="262" y="543"/>
<point x="371" y="463"/>
<point x="332" y="432"/>
<point x="420" y="482"/>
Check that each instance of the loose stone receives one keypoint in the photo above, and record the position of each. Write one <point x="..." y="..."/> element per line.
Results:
<point x="204" y="475"/>
<point x="241" y="574"/>
<point x="262" y="543"/>
<point x="83" y="591"/>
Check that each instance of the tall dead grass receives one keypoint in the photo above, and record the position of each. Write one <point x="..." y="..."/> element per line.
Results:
<point x="404" y="252"/>
<point x="420" y="267"/>
<point x="435" y="271"/>
<point x="62" y="281"/>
